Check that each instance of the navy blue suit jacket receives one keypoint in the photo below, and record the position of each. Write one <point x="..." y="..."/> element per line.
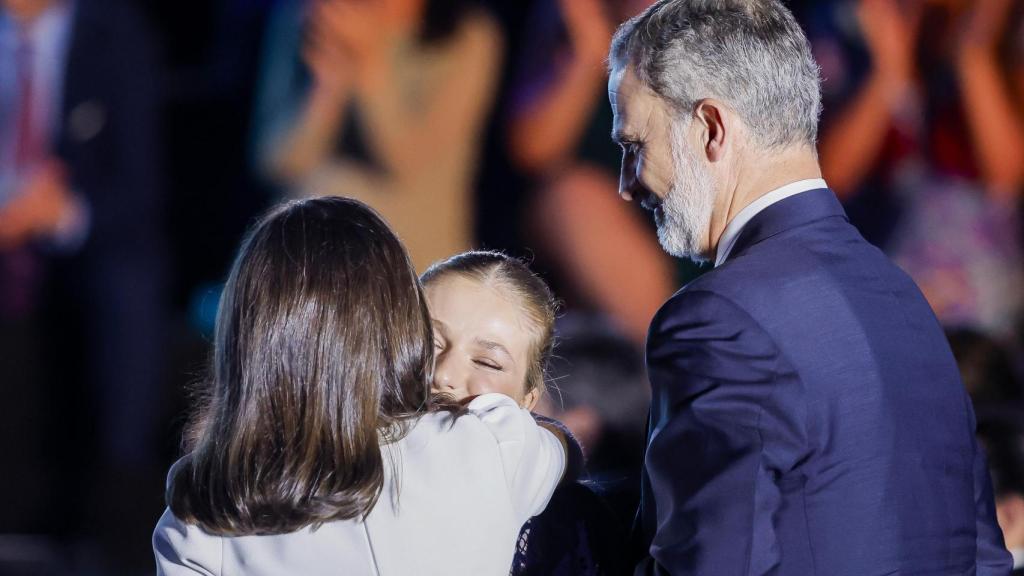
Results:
<point x="808" y="417"/>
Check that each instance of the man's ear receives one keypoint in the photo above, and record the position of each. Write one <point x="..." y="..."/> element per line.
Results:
<point x="531" y="399"/>
<point x="715" y="118"/>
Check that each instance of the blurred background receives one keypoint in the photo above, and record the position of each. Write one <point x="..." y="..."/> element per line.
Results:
<point x="139" y="139"/>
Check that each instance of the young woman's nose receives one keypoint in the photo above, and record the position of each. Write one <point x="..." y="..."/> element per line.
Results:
<point x="445" y="379"/>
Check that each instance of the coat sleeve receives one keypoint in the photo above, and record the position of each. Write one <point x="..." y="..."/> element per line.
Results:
<point x="720" y="438"/>
<point x="185" y="550"/>
<point x="532" y="458"/>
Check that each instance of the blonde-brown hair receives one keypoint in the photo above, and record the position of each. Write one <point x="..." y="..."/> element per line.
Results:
<point x="531" y="293"/>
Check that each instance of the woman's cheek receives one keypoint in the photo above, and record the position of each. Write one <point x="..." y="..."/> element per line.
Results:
<point x="488" y="383"/>
<point x="478" y="386"/>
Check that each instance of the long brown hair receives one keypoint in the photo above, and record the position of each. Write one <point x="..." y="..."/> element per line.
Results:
<point x="515" y="278"/>
<point x="322" y="350"/>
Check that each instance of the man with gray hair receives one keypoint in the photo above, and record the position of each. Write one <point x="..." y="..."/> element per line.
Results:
<point x="807" y="416"/>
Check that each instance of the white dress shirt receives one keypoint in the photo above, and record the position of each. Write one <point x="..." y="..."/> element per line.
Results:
<point x="461" y="495"/>
<point x="735" y="226"/>
<point x="1018" y="558"/>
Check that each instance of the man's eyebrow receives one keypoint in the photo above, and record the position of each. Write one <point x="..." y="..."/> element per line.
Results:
<point x="620" y="135"/>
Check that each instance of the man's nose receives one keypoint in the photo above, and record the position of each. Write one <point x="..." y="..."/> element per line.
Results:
<point x="628" y="180"/>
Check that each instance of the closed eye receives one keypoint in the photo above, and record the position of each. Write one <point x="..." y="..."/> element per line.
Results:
<point x="488" y="364"/>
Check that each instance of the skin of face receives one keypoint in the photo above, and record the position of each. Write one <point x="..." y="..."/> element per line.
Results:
<point x="641" y="127"/>
<point x="482" y="340"/>
<point x="651" y="172"/>
<point x="707" y="162"/>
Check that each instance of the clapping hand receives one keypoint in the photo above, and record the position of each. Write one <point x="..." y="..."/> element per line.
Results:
<point x="984" y="24"/>
<point x="890" y="29"/>
<point x="590" y="28"/>
<point x="344" y="38"/>
<point x="324" y="52"/>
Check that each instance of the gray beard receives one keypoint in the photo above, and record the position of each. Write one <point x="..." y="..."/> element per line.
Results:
<point x="684" y="216"/>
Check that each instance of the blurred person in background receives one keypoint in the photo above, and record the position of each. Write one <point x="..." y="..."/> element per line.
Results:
<point x="558" y="134"/>
<point x="922" y="139"/>
<point x="392" y="114"/>
<point x="1003" y="438"/>
<point x="990" y="377"/>
<point x="986" y="368"/>
<point x="81" y="275"/>
<point x="600" y="392"/>
<point x="988" y="373"/>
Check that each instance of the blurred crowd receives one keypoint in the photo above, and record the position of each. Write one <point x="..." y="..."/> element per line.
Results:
<point x="138" y="139"/>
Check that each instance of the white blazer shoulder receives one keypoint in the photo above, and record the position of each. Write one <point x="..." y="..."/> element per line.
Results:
<point x="453" y="503"/>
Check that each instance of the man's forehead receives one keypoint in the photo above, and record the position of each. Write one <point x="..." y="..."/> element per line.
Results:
<point x="619" y="93"/>
<point x="626" y="95"/>
<point x="618" y="85"/>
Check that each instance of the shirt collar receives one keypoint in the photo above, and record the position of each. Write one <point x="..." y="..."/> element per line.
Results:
<point x="735" y="226"/>
<point x="1018" y="558"/>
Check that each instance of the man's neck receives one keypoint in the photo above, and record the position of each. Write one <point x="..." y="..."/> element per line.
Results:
<point x="770" y="171"/>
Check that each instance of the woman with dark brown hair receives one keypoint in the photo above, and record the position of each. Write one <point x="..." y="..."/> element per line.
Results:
<point x="317" y="450"/>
